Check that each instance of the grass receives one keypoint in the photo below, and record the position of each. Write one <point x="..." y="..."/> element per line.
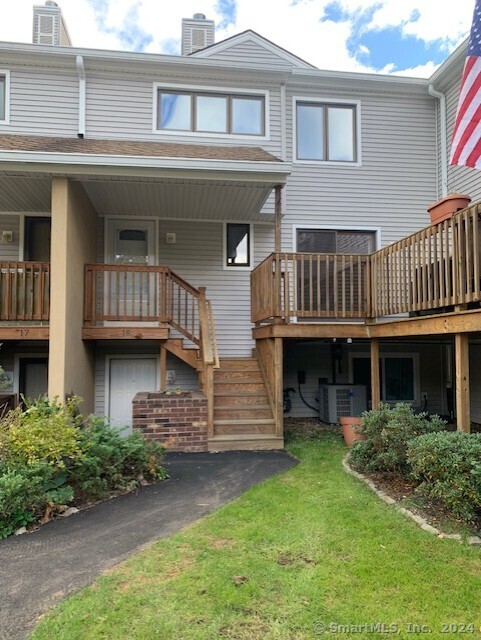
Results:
<point x="312" y="545"/>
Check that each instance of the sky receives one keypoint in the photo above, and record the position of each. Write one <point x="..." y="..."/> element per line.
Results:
<point x="406" y="37"/>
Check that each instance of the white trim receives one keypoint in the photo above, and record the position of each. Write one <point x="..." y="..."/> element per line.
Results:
<point x="16" y="366"/>
<point x="129" y="356"/>
<point x="81" y="95"/>
<point x="263" y="93"/>
<point x="174" y="219"/>
<point x="248" y="267"/>
<point x="253" y="37"/>
<point x="329" y="101"/>
<point x="416" y="401"/>
<point x="6" y="120"/>
<point x="336" y="227"/>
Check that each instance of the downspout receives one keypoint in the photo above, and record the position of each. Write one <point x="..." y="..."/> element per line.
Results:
<point x="81" y="96"/>
<point x="443" y="138"/>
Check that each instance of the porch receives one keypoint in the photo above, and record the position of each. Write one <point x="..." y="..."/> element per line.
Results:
<point x="426" y="284"/>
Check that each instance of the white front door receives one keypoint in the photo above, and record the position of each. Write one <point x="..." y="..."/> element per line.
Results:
<point x="130" y="242"/>
<point x="128" y="376"/>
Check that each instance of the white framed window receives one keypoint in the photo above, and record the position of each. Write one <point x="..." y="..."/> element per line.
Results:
<point x="399" y="374"/>
<point x="326" y="131"/>
<point x="209" y="111"/>
<point x="4" y="96"/>
<point x="238" y="244"/>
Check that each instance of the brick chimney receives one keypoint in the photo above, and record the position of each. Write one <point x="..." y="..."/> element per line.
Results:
<point x="49" y="26"/>
<point x="197" y="33"/>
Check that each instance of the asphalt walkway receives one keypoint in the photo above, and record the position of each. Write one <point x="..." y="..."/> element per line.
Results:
<point x="38" y="569"/>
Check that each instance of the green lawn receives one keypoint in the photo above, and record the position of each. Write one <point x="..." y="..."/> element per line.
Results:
<point x="312" y="545"/>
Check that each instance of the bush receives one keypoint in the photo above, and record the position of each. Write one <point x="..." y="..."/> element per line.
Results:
<point x="111" y="462"/>
<point x="388" y="432"/>
<point x="25" y="491"/>
<point x="44" y="432"/>
<point x="448" y="467"/>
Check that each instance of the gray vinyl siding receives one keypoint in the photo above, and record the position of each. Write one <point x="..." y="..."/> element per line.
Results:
<point x="315" y="360"/>
<point x="10" y="251"/>
<point x="123" y="107"/>
<point x="42" y="103"/>
<point x="395" y="182"/>
<point x="251" y="54"/>
<point x="460" y="179"/>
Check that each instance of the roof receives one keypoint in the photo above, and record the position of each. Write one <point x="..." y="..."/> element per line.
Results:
<point x="249" y="34"/>
<point x="44" y="144"/>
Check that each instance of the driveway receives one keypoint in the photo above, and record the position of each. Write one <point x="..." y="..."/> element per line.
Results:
<point x="38" y="569"/>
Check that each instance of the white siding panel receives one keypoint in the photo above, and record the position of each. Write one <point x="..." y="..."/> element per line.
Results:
<point x="42" y="103"/>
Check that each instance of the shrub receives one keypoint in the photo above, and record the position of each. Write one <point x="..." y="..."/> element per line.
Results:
<point x="111" y="462"/>
<point x="43" y="432"/>
<point x="25" y="492"/>
<point x="448" y="467"/>
<point x="388" y="432"/>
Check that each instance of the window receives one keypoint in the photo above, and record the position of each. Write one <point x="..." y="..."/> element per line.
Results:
<point x="399" y="376"/>
<point x="204" y="112"/>
<point x="326" y="132"/>
<point x="3" y="97"/>
<point x="335" y="241"/>
<point x="237" y="245"/>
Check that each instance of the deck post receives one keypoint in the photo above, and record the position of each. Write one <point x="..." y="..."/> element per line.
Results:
<point x="375" y="377"/>
<point x="463" y="412"/>
<point x="278" y="218"/>
<point x="163" y="367"/>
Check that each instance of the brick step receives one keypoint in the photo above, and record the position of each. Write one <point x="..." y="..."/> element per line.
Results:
<point x="242" y="411"/>
<point x="247" y="442"/>
<point x="237" y="374"/>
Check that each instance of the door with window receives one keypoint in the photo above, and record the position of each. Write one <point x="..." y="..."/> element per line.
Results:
<point x="327" y="281"/>
<point x="130" y="292"/>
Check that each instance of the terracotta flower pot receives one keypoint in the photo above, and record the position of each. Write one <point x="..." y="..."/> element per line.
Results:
<point x="350" y="426"/>
<point x="447" y="207"/>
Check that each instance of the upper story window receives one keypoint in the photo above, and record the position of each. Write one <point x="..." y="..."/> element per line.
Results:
<point x="4" y="78"/>
<point x="211" y="113"/>
<point x="326" y="132"/>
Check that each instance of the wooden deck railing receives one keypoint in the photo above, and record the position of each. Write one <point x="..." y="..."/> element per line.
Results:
<point x="310" y="285"/>
<point x="24" y="291"/>
<point x="431" y="270"/>
<point x="434" y="268"/>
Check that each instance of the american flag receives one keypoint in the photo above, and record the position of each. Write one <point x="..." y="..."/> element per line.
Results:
<point x="466" y="145"/>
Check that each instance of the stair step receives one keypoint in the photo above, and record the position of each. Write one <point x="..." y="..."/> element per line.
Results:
<point x="240" y="400"/>
<point x="244" y="394"/>
<point x="247" y="421"/>
<point x="246" y="442"/>
<point x="242" y="407"/>
<point x="239" y="363"/>
<point x="237" y="374"/>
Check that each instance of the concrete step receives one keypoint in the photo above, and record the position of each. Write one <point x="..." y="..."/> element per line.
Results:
<point x="246" y="442"/>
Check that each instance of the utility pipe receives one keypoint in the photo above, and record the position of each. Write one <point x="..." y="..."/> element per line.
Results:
<point x="79" y="62"/>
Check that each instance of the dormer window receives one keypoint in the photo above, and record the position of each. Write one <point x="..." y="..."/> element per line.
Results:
<point x="4" y="96"/>
<point x="211" y="112"/>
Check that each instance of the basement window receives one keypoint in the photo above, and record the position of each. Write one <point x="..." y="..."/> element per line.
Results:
<point x="237" y="242"/>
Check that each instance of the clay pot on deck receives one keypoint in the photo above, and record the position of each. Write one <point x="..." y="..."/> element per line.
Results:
<point x="447" y="207"/>
<point x="350" y="429"/>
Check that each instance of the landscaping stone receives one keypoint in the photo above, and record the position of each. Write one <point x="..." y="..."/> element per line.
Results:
<point x="474" y="540"/>
<point x="69" y="512"/>
<point x="21" y="531"/>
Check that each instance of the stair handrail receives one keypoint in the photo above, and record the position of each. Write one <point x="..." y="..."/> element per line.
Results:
<point x="208" y="341"/>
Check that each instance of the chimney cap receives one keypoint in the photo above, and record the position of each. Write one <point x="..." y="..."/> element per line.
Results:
<point x="199" y="16"/>
<point x="51" y="3"/>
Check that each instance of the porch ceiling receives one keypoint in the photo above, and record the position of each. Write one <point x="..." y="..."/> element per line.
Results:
<point x="25" y="194"/>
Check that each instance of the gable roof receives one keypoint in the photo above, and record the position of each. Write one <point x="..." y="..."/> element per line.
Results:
<point x="252" y="36"/>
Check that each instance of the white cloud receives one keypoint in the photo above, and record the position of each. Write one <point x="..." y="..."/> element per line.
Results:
<point x="295" y="27"/>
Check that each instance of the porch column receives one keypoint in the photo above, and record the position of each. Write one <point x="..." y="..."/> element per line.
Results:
<point x="463" y="411"/>
<point x="375" y="377"/>
<point x="278" y="218"/>
<point x="74" y="230"/>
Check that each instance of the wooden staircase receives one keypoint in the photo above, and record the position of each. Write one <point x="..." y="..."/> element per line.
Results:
<point x="243" y="416"/>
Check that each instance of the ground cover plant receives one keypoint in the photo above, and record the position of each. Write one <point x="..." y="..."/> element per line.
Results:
<point x="306" y="554"/>
<point x="51" y="455"/>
